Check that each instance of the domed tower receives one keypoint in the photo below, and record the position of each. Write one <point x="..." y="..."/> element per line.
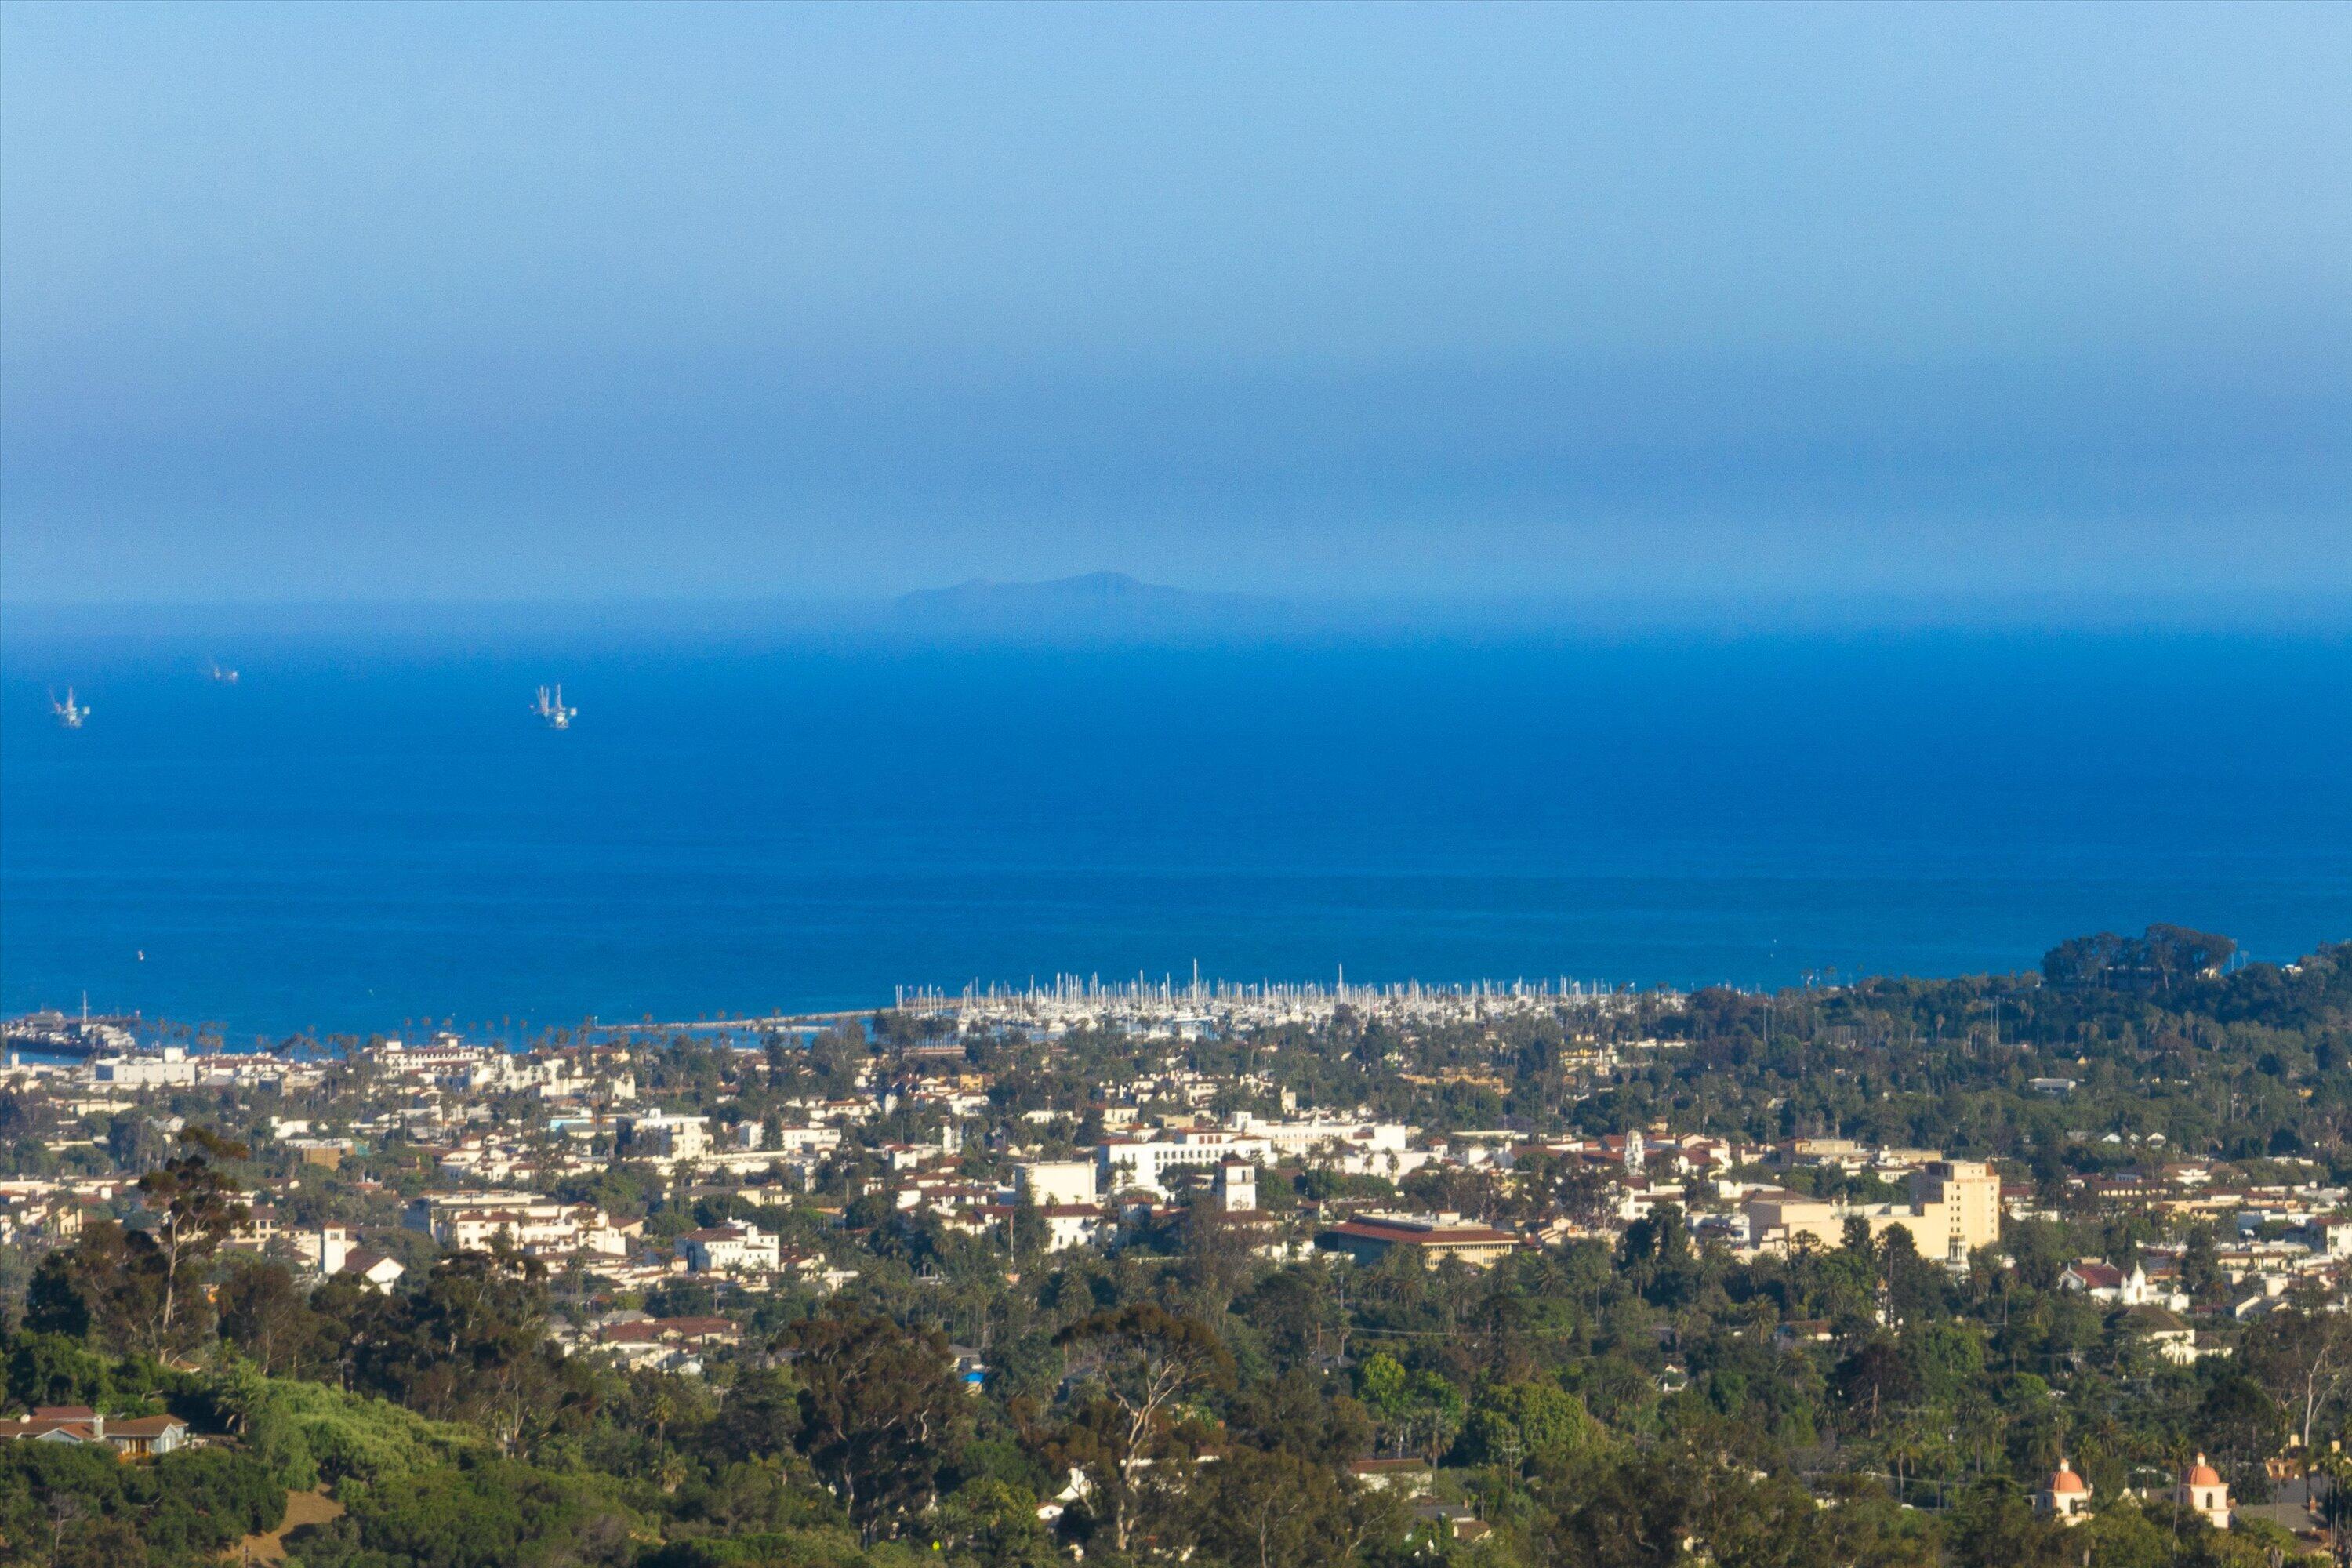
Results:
<point x="2066" y="1497"/>
<point x="2201" y="1489"/>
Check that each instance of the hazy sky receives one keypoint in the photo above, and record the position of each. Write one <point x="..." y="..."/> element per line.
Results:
<point x="466" y="302"/>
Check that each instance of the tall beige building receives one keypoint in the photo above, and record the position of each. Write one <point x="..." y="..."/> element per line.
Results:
<point x="1957" y="1202"/>
<point x="1954" y="1208"/>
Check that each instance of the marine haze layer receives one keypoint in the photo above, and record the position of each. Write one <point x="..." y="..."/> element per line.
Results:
<point x="803" y="807"/>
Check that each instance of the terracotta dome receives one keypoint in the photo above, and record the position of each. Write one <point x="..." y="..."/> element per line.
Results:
<point x="2066" y="1480"/>
<point x="2200" y="1474"/>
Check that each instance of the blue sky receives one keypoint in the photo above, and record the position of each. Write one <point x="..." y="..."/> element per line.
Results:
<point x="365" y="302"/>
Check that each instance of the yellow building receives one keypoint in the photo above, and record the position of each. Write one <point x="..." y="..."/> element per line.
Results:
<point x="1430" y="1237"/>
<point x="1783" y="1219"/>
<point x="1954" y="1208"/>
<point x="1958" y="1204"/>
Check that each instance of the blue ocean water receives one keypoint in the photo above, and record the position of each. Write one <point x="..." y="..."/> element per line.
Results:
<point x="367" y="831"/>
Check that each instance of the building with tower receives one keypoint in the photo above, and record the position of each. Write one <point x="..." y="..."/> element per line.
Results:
<point x="2066" y="1497"/>
<point x="2202" y="1489"/>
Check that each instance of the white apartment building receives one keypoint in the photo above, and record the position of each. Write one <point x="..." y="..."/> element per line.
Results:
<point x="171" y="1067"/>
<point x="539" y="1227"/>
<point x="806" y="1139"/>
<point x="1046" y="1182"/>
<point x="1303" y="1140"/>
<point x="446" y="1054"/>
<point x="733" y="1249"/>
<point x="659" y="1135"/>
<point x="1073" y="1225"/>
<point x="1144" y="1162"/>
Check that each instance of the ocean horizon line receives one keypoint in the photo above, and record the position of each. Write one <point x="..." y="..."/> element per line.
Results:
<point x="992" y="611"/>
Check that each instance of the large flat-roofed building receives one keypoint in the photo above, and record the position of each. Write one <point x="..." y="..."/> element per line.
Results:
<point x="660" y="1136"/>
<point x="1784" y="1219"/>
<point x="540" y="1226"/>
<point x="172" y="1065"/>
<point x="1144" y="1163"/>
<point x="1954" y="1208"/>
<point x="1311" y="1138"/>
<point x="732" y="1249"/>
<point x="1048" y="1182"/>
<point x="1370" y="1237"/>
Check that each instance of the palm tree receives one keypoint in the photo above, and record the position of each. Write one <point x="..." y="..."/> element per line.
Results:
<point x="661" y="1410"/>
<point x="1981" y="1427"/>
<point x="1906" y="1447"/>
<point x="2336" y="1465"/>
